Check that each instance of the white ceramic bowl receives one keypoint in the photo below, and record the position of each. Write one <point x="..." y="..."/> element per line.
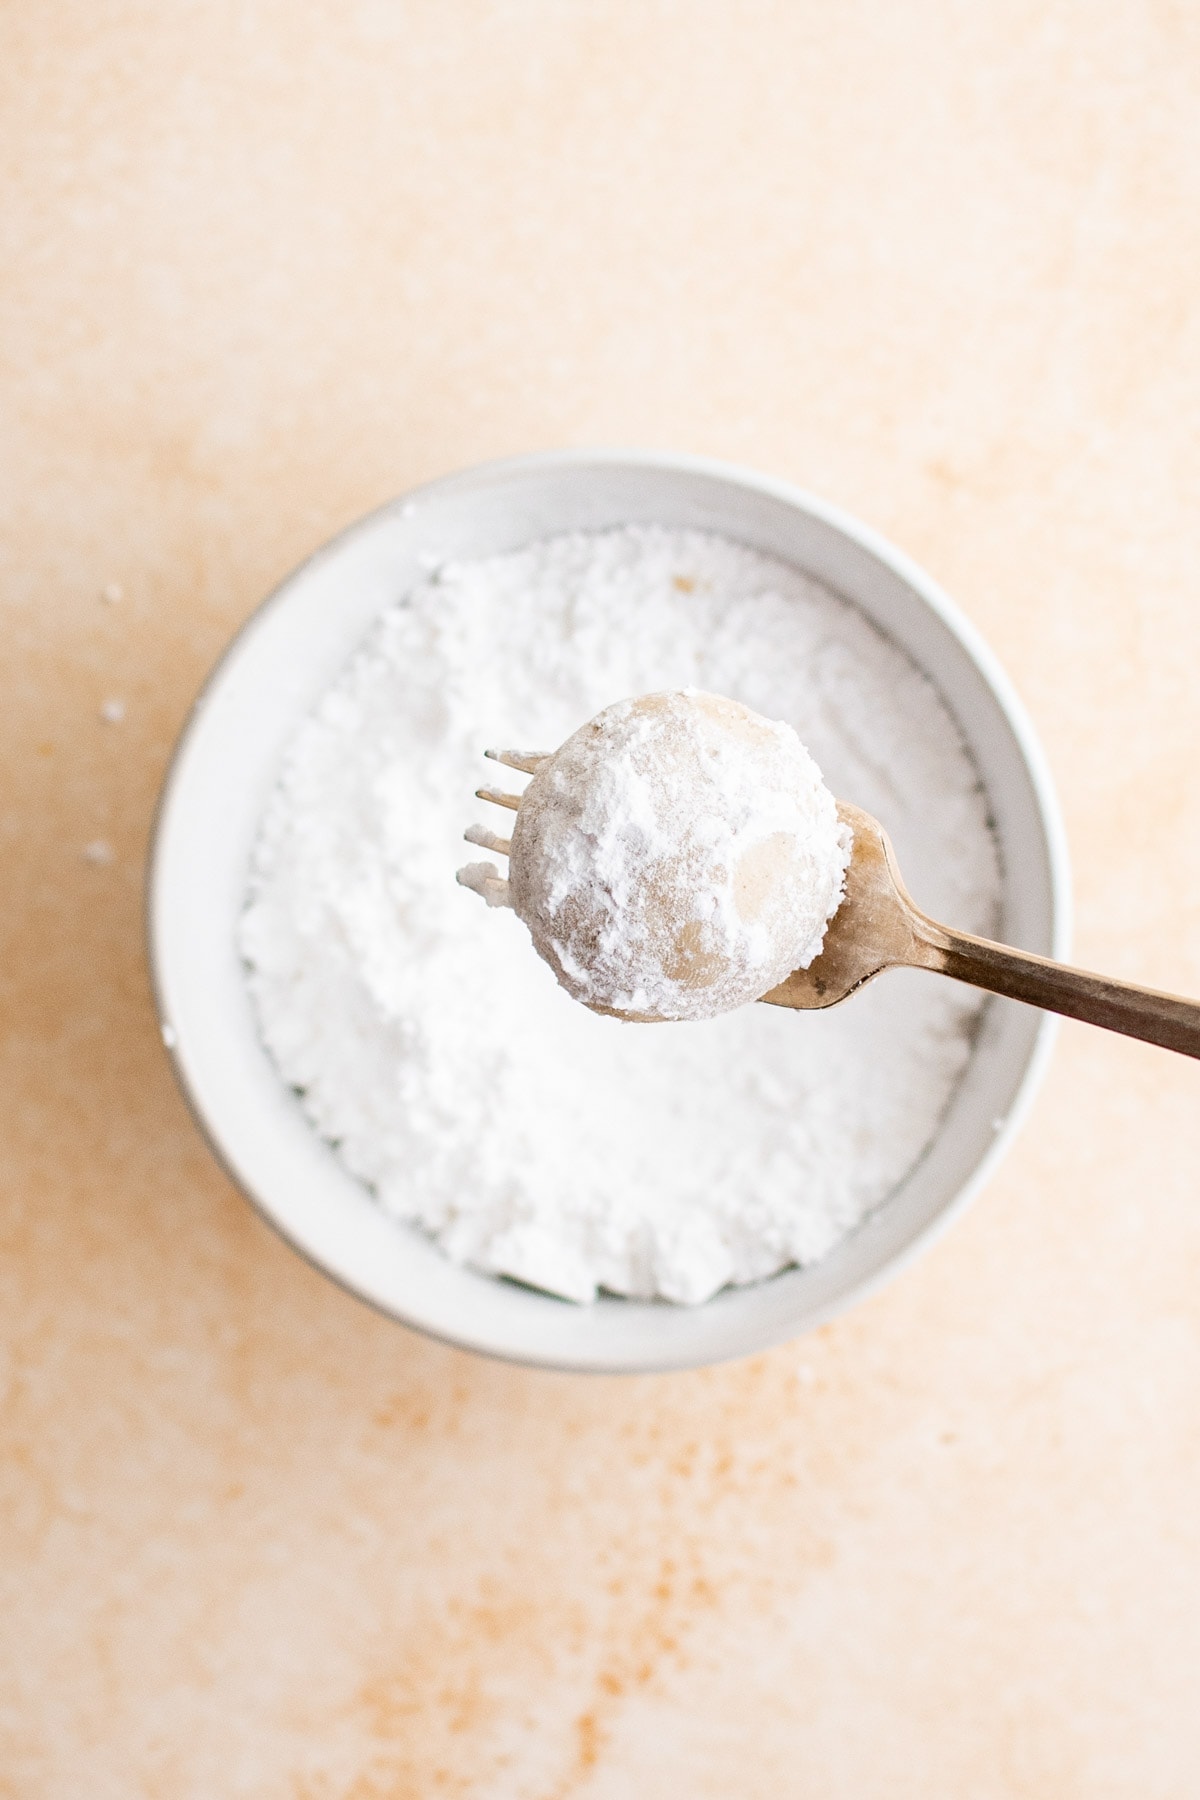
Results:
<point x="227" y="762"/>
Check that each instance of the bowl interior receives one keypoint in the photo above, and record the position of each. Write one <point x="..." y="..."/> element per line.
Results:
<point x="227" y="763"/>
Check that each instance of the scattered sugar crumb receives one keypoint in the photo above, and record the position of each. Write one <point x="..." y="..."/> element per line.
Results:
<point x="111" y="592"/>
<point x="99" y="851"/>
<point x="113" y="712"/>
<point x="169" y="1037"/>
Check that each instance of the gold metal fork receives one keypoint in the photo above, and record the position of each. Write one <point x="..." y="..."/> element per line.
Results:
<point x="878" y="926"/>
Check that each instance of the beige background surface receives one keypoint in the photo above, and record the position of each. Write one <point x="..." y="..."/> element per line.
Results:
<point x="265" y="266"/>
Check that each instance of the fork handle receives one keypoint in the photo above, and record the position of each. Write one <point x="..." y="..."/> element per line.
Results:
<point x="1138" y="1012"/>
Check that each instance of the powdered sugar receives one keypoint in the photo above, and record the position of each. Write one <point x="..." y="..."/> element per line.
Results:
<point x="433" y="1048"/>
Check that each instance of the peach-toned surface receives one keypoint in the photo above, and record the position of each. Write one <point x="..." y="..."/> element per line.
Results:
<point x="266" y="265"/>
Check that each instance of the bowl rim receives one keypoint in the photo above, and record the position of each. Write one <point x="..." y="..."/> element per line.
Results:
<point x="949" y="615"/>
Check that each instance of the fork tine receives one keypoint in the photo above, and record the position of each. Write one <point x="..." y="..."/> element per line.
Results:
<point x="498" y="797"/>
<point x="487" y="840"/>
<point x="527" y="761"/>
<point x="485" y="880"/>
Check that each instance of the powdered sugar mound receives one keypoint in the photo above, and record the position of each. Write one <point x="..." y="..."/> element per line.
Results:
<point x="678" y="857"/>
<point x="530" y="1136"/>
